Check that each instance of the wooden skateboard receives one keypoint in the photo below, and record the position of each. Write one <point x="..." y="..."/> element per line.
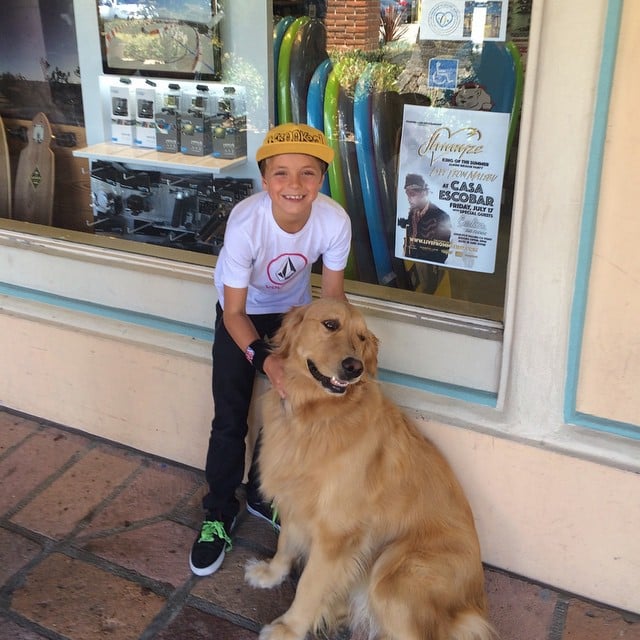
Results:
<point x="5" y="175"/>
<point x="33" y="197"/>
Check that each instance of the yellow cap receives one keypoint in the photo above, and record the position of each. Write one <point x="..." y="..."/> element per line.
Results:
<point x="295" y="138"/>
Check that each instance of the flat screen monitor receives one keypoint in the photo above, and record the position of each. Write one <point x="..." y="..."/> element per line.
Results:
<point x="161" y="38"/>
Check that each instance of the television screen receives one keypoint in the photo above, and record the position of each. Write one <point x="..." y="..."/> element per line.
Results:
<point x="161" y="38"/>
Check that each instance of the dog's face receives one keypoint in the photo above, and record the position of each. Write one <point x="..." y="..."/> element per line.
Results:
<point x="328" y="342"/>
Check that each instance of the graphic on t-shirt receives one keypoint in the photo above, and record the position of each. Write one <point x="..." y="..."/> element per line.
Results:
<point x="285" y="267"/>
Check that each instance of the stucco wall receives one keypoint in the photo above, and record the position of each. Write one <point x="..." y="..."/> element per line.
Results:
<point x="610" y="362"/>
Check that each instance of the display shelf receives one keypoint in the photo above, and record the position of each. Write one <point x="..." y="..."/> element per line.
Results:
<point x="151" y="158"/>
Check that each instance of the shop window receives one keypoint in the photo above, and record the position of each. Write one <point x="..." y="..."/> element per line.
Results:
<point x="421" y="99"/>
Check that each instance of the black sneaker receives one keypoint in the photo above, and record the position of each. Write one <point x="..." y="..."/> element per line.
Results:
<point x="207" y="552"/>
<point x="266" y="511"/>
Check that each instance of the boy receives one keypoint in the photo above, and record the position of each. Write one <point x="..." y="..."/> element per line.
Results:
<point x="272" y="240"/>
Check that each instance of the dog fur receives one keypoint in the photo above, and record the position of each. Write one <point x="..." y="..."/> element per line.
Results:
<point x="366" y="502"/>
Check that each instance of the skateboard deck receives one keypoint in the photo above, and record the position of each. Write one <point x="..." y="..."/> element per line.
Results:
<point x="33" y="198"/>
<point x="5" y="175"/>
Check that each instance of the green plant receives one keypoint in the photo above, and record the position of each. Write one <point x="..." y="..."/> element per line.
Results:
<point x="392" y="24"/>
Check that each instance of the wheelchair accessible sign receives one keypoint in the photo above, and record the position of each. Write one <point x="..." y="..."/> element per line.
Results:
<point x="443" y="73"/>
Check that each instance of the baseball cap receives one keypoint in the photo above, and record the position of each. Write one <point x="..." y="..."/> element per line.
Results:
<point x="414" y="181"/>
<point x="295" y="138"/>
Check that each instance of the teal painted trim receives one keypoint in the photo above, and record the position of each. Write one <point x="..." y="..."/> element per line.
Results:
<point x="121" y="315"/>
<point x="486" y="398"/>
<point x="608" y="426"/>
<point x="587" y="233"/>
<point x="202" y="333"/>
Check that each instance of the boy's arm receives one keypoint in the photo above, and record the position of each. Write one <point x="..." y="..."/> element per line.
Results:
<point x="333" y="284"/>
<point x="236" y="320"/>
<point x="243" y="332"/>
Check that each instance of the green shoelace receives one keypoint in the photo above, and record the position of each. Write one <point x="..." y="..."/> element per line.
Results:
<point x="214" y="529"/>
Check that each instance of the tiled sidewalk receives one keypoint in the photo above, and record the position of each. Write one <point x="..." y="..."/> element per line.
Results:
<point x="94" y="540"/>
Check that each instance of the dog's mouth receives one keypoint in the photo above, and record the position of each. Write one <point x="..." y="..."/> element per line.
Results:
<point x="332" y="384"/>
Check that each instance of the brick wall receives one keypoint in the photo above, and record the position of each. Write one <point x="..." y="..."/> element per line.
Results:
<point x="353" y="24"/>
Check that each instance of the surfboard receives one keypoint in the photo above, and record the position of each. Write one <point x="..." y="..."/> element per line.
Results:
<point x="284" y="69"/>
<point x="308" y="50"/>
<point x="518" y="71"/>
<point x="5" y="174"/>
<point x="315" y="94"/>
<point x="334" y="172"/>
<point x="365" y="152"/>
<point x="279" y="30"/>
<point x="496" y="73"/>
<point x="387" y="108"/>
<point x="33" y="198"/>
<point x="352" y="187"/>
<point x="315" y="104"/>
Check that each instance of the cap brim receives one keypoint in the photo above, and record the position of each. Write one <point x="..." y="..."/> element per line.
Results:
<point x="320" y="151"/>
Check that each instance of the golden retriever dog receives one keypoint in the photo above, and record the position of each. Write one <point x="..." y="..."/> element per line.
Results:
<point x="372" y="509"/>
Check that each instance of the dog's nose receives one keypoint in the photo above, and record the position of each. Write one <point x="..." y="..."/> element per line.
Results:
<point x="352" y="368"/>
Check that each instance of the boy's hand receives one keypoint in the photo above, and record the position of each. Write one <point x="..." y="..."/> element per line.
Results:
<point x="274" y="368"/>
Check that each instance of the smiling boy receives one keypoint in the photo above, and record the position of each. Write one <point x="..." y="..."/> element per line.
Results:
<point x="271" y="242"/>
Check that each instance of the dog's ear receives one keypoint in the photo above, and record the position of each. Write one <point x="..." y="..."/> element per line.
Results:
<point x="370" y="353"/>
<point x="285" y="336"/>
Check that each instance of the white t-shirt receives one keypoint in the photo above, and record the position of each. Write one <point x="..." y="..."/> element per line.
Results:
<point x="275" y="266"/>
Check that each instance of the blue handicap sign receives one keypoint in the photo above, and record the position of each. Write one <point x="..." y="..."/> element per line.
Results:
<point x="443" y="73"/>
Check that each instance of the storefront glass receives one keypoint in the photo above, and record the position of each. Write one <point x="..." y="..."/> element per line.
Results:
<point x="421" y="101"/>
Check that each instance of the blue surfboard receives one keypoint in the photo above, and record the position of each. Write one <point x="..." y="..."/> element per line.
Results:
<point x="352" y="187"/>
<point x="315" y="104"/>
<point x="367" y="168"/>
<point x="315" y="94"/>
<point x="387" y="109"/>
<point x="499" y="70"/>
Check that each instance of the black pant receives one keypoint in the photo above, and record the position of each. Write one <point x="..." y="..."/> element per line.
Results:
<point x="232" y="386"/>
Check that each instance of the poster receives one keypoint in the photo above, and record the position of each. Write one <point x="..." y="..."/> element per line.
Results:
<point x="39" y="64"/>
<point x="450" y="186"/>
<point x="464" y="20"/>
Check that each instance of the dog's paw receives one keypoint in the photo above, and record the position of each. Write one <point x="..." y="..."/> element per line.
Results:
<point x="279" y="631"/>
<point x="259" y="573"/>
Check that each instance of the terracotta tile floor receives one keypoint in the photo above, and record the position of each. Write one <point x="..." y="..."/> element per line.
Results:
<point x="94" y="540"/>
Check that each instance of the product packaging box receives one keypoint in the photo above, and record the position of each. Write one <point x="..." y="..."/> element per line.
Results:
<point x="145" y="118"/>
<point x="123" y="122"/>
<point x="195" y="124"/>
<point x="168" y="121"/>
<point x="229" y="136"/>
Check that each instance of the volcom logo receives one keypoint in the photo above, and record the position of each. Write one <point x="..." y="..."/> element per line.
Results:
<point x="285" y="267"/>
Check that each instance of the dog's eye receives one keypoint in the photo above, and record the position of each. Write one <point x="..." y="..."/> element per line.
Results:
<point x="362" y="337"/>
<point x="332" y="325"/>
